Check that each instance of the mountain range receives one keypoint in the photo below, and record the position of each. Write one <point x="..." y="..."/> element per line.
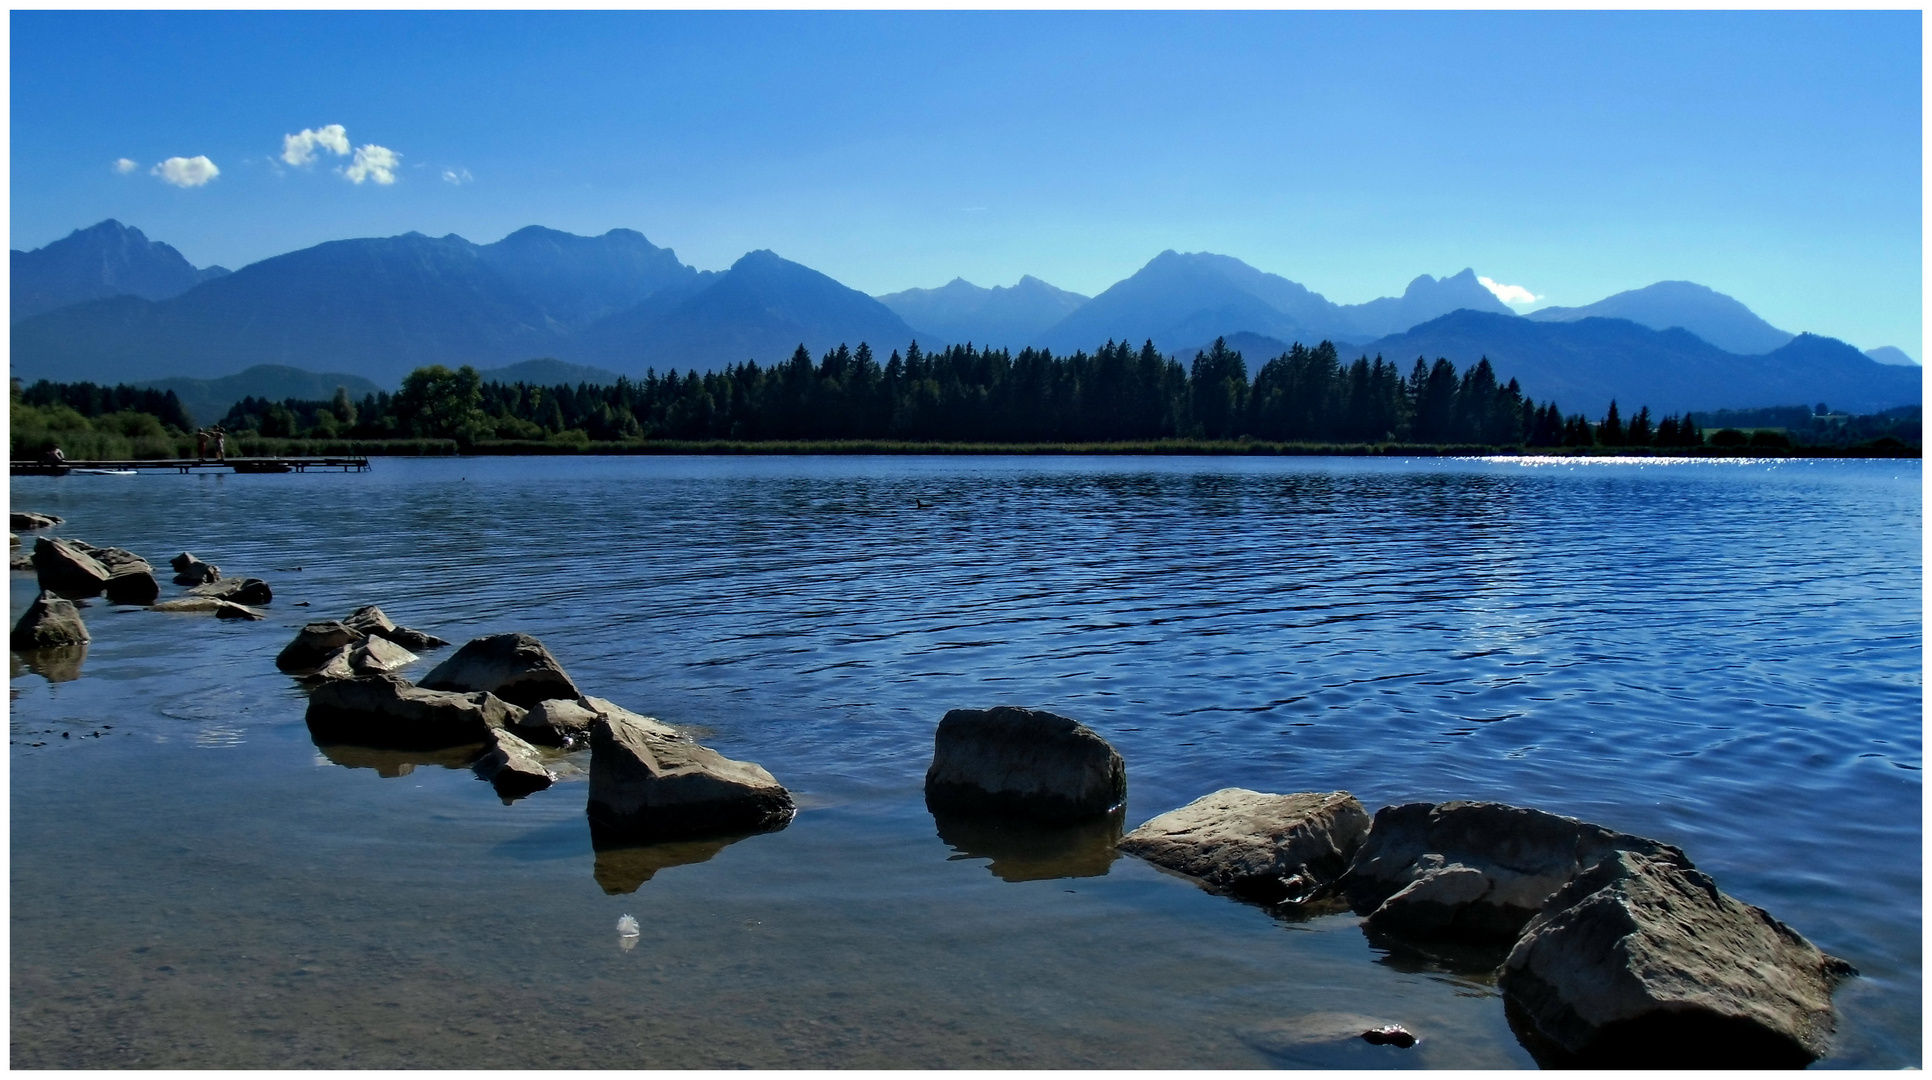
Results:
<point x="127" y="309"/>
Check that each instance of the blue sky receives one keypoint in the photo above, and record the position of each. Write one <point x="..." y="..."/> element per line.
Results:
<point x="1772" y="156"/>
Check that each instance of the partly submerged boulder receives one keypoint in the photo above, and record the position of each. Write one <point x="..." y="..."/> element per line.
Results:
<point x="1473" y="870"/>
<point x="385" y="711"/>
<point x="28" y="521"/>
<point x="514" y="667"/>
<point x="314" y="645"/>
<point x="512" y="766"/>
<point x="1641" y="963"/>
<point x="370" y="656"/>
<point x="130" y="578"/>
<point x="645" y="785"/>
<point x="50" y="621"/>
<point x="19" y="560"/>
<point x="371" y="621"/>
<point x="1268" y="848"/>
<point x="67" y="568"/>
<point x="189" y="570"/>
<point x="206" y="605"/>
<point x="240" y="590"/>
<point x="1022" y="763"/>
<point x="559" y="722"/>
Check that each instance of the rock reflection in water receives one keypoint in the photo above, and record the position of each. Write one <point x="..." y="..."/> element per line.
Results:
<point x="61" y="664"/>
<point x="623" y="869"/>
<point x="1020" y="850"/>
<point x="394" y="763"/>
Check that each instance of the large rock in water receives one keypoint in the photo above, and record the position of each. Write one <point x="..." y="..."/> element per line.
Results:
<point x="645" y="785"/>
<point x="314" y="645"/>
<point x="28" y="521"/>
<point x="50" y="622"/>
<point x="370" y="620"/>
<point x="1268" y="848"/>
<point x="370" y="656"/>
<point x="1474" y="871"/>
<point x="130" y="578"/>
<point x="514" y="667"/>
<point x="385" y="711"/>
<point x="513" y="767"/>
<point x="1022" y="763"/>
<point x="189" y="570"/>
<point x="66" y="568"/>
<point x="1641" y="963"/>
<point x="557" y="722"/>
<point x="238" y="590"/>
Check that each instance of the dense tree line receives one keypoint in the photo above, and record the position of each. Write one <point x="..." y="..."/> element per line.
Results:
<point x="964" y="394"/>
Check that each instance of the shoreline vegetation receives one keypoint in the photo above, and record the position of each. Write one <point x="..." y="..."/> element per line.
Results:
<point x="959" y="401"/>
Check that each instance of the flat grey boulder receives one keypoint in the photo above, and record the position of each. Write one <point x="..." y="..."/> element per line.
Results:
<point x="189" y="570"/>
<point x="1475" y="871"/>
<point x="558" y="722"/>
<point x="370" y="656"/>
<point x="67" y="568"/>
<point x="314" y="645"/>
<point x="647" y="786"/>
<point x="240" y="590"/>
<point x="206" y="605"/>
<point x="19" y="560"/>
<point x="372" y="622"/>
<point x="384" y="711"/>
<point x="1641" y="963"/>
<point x="49" y="622"/>
<point x="513" y="767"/>
<point x="28" y="521"/>
<point x="1022" y="763"/>
<point x="1272" y="849"/>
<point x="514" y="667"/>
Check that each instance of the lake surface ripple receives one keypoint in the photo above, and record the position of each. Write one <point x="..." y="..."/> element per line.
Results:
<point x="1726" y="656"/>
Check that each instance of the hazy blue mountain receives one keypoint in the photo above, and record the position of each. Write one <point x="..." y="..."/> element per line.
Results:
<point x="1583" y="364"/>
<point x="1256" y="349"/>
<point x="208" y="400"/>
<point x="577" y="280"/>
<point x="761" y="309"/>
<point x="960" y="311"/>
<point x="1426" y="298"/>
<point x="1703" y="311"/>
<point x="1178" y="299"/>
<point x="548" y="372"/>
<point x="371" y="307"/>
<point x="1888" y="354"/>
<point x="108" y="259"/>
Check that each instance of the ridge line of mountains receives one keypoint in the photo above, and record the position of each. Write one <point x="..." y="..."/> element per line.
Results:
<point x="106" y="304"/>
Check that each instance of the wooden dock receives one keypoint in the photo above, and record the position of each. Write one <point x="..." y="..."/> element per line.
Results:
<point x="188" y="465"/>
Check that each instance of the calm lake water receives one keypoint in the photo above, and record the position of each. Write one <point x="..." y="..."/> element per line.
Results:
<point x="1726" y="656"/>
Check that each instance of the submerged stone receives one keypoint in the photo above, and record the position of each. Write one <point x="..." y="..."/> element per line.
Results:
<point x="514" y="667"/>
<point x="1268" y="848"/>
<point x="1024" y="763"/>
<point x="1642" y="963"/>
<point x="647" y="786"/>
<point x="49" y="622"/>
<point x="513" y="767"/>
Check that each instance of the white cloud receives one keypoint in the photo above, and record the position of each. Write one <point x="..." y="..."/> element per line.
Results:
<point x="300" y="149"/>
<point x="457" y="176"/>
<point x="373" y="162"/>
<point x="186" y="171"/>
<point x="1509" y="294"/>
<point x="126" y="165"/>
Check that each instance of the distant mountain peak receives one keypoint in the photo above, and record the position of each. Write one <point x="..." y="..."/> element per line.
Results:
<point x="1719" y="319"/>
<point x="103" y="260"/>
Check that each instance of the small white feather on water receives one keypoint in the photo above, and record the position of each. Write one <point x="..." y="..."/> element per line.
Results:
<point x="626" y="926"/>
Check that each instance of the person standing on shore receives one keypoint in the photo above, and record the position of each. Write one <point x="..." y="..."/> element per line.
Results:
<point x="221" y="443"/>
<point x="201" y="444"/>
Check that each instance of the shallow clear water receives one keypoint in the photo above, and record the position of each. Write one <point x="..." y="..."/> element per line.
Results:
<point x="1726" y="656"/>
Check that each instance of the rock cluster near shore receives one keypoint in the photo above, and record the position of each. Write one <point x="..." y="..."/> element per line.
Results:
<point x="1620" y="953"/>
<point x="508" y="698"/>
